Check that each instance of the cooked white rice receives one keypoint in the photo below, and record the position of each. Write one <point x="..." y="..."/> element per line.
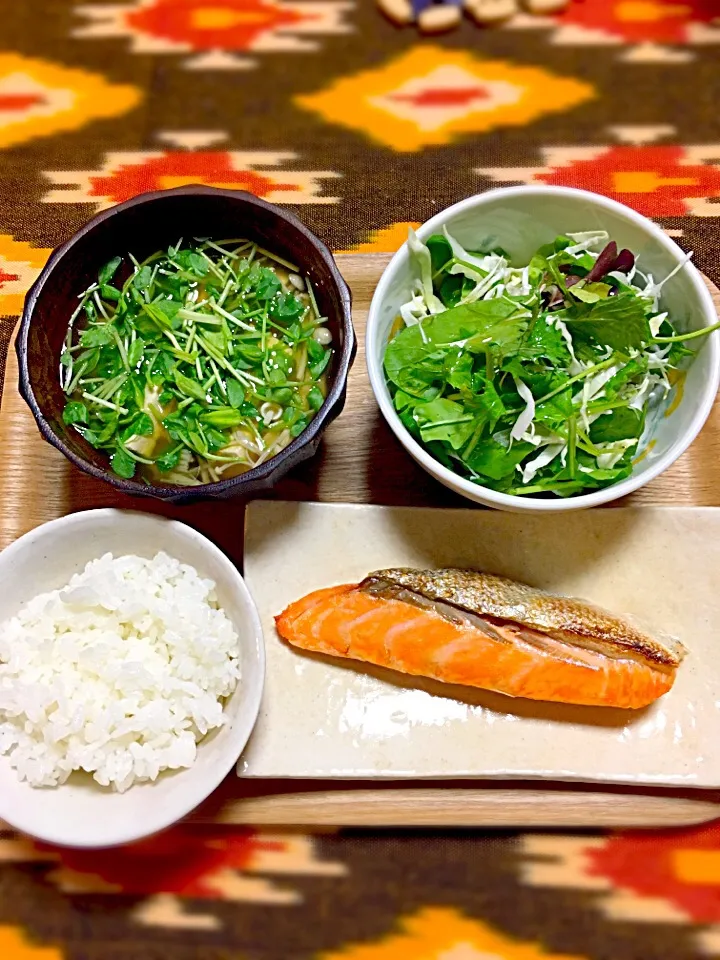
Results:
<point x="119" y="673"/>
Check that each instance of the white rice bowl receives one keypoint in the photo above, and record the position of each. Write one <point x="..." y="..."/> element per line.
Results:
<point x="145" y="671"/>
<point x="119" y="674"/>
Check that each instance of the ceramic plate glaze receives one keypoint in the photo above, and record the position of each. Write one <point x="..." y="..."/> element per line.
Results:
<point x="326" y="718"/>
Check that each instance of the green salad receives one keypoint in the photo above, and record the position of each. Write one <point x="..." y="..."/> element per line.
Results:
<point x="206" y="360"/>
<point x="548" y="379"/>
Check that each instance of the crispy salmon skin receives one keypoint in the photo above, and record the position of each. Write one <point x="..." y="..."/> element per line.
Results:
<point x="461" y="626"/>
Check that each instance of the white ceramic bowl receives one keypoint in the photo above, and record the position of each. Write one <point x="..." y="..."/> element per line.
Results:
<point x="520" y="219"/>
<point x="84" y="814"/>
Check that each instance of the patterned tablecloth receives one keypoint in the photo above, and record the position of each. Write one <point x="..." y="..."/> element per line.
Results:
<point x="361" y="127"/>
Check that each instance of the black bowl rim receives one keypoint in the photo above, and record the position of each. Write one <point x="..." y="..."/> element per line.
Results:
<point x="252" y="478"/>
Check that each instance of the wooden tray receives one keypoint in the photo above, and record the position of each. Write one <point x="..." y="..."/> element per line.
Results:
<point x="37" y="484"/>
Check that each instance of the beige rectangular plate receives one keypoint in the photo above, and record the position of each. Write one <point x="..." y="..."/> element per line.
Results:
<point x="325" y="718"/>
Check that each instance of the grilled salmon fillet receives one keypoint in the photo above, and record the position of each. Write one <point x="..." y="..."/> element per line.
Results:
<point x="460" y="626"/>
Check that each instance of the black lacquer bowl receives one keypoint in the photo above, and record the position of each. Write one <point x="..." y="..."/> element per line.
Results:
<point x="142" y="225"/>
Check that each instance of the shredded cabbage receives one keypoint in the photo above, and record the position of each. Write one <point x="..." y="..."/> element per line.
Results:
<point x="541" y="460"/>
<point x="575" y="365"/>
<point x="615" y="451"/>
<point x="498" y="269"/>
<point x="473" y="267"/>
<point x="421" y="255"/>
<point x="653" y="290"/>
<point x="592" y="387"/>
<point x="525" y="420"/>
<point x="656" y="322"/>
<point x="587" y="242"/>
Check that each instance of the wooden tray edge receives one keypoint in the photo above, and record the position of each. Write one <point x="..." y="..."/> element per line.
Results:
<point x="457" y="807"/>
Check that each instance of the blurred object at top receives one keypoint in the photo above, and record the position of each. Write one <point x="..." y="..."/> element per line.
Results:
<point x="436" y="16"/>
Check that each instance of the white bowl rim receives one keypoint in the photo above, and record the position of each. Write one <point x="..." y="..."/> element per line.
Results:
<point x="252" y="698"/>
<point x="505" y="501"/>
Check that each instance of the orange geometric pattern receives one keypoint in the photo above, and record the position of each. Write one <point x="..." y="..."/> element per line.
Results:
<point x="226" y="25"/>
<point x="14" y="945"/>
<point x="181" y="864"/>
<point x="385" y="240"/>
<point x="215" y="29"/>
<point x="444" y="934"/>
<point x="670" y="877"/>
<point x="20" y="266"/>
<point x="681" y="866"/>
<point x="643" y="21"/>
<point x="125" y="175"/>
<point x="202" y="863"/>
<point x="364" y="129"/>
<point x="430" y="95"/>
<point x="39" y="98"/>
<point x="656" y="180"/>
